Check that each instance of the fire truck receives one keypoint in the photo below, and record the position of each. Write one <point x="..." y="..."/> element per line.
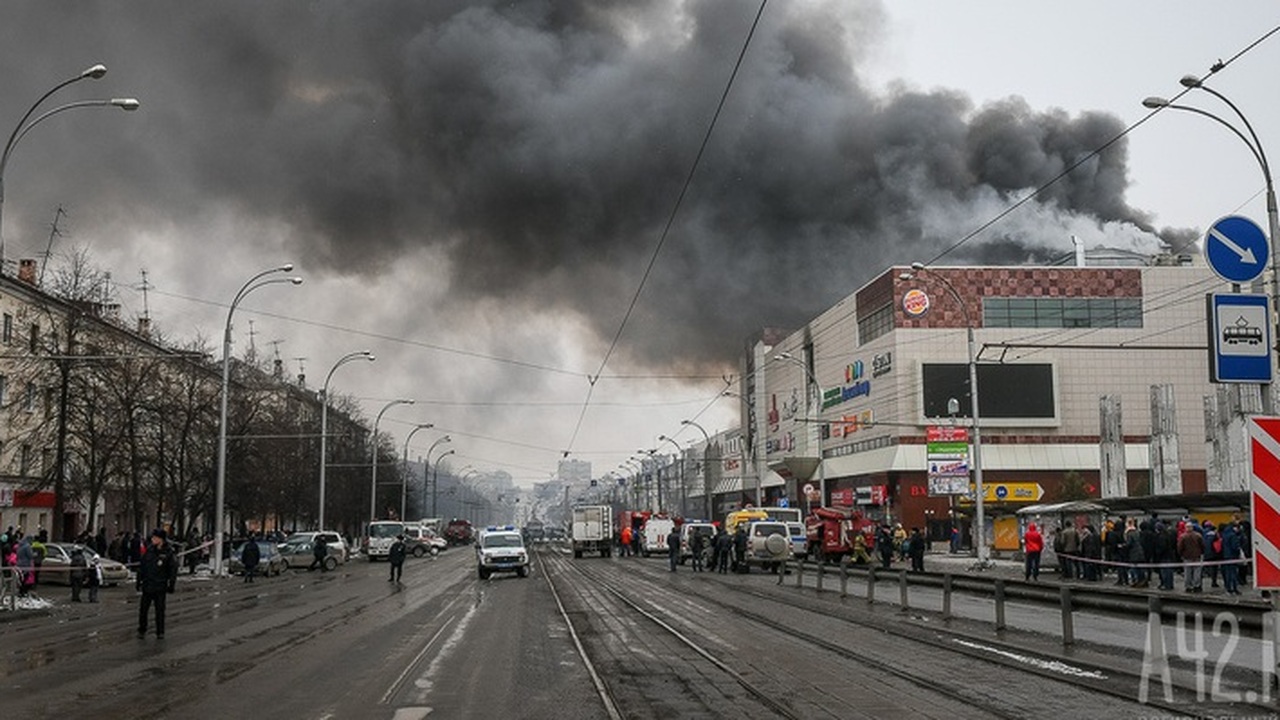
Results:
<point x="832" y="533"/>
<point x="459" y="532"/>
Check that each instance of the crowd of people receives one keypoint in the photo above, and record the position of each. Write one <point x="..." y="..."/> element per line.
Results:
<point x="1139" y="552"/>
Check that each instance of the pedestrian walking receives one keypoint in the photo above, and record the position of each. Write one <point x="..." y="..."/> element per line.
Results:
<point x="1191" y="550"/>
<point x="1032" y="545"/>
<point x="740" y="551"/>
<point x="395" y="558"/>
<point x="697" y="544"/>
<point x="915" y="550"/>
<point x="1212" y="552"/>
<point x="1134" y="555"/>
<point x="157" y="578"/>
<point x="250" y="556"/>
<point x="319" y="554"/>
<point x="673" y="548"/>
<point x="78" y="566"/>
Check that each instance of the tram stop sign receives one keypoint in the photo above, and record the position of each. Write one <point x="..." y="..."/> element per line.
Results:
<point x="1236" y="249"/>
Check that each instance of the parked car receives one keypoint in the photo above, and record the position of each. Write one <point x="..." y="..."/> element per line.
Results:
<point x="57" y="558"/>
<point x="298" y="552"/>
<point x="768" y="544"/>
<point x="270" y="561"/>
<point x="422" y="541"/>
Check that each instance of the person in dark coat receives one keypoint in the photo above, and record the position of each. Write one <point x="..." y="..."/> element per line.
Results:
<point x="157" y="578"/>
<point x="1147" y="538"/>
<point x="320" y="551"/>
<point x="673" y="548"/>
<point x="78" y="566"/>
<point x="250" y="556"/>
<point x="1230" y="551"/>
<point x="1166" y="553"/>
<point x="740" y="551"/>
<point x="884" y="546"/>
<point x="915" y="550"/>
<point x="697" y="544"/>
<point x="724" y="546"/>
<point x="395" y="558"/>
<point x="1091" y="549"/>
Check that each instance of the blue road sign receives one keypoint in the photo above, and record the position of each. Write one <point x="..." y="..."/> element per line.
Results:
<point x="1239" y="338"/>
<point x="1236" y="249"/>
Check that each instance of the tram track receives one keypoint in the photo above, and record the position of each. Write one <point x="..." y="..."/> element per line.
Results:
<point x="836" y="704"/>
<point x="773" y="609"/>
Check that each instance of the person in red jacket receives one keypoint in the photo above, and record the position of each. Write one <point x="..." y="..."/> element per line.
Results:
<point x="1033" y="544"/>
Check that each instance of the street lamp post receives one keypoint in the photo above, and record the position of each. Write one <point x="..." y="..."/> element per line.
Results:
<point x="706" y="467"/>
<point x="435" y="482"/>
<point x="324" y="418"/>
<point x="679" y="459"/>
<point x="822" y="473"/>
<point x="373" y="490"/>
<point x="254" y="283"/>
<point x="94" y="72"/>
<point x="425" y="477"/>
<point x="1254" y="144"/>
<point x="404" y="481"/>
<point x="979" y="490"/>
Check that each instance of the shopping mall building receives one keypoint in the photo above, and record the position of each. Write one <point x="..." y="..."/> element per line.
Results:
<point x="1093" y="381"/>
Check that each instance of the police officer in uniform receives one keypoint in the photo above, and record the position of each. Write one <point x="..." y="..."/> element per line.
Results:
<point x="157" y="577"/>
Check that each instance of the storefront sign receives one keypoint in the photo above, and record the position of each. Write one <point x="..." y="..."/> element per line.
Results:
<point x="850" y="424"/>
<point x="915" y="303"/>
<point x="881" y="364"/>
<point x="1008" y="492"/>
<point x="835" y="396"/>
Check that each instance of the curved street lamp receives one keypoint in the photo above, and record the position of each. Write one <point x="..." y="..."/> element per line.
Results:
<point x="373" y="489"/>
<point x="404" y="479"/>
<point x="324" y="417"/>
<point x="706" y="469"/>
<point x="254" y="283"/>
<point x="93" y="72"/>
<point x="680" y="467"/>
<point x="979" y="490"/>
<point x="1191" y="82"/>
<point x="435" y="478"/>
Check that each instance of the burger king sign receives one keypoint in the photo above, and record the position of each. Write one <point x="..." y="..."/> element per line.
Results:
<point x="915" y="303"/>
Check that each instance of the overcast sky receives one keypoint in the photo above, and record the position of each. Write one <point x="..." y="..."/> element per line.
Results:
<point x="474" y="191"/>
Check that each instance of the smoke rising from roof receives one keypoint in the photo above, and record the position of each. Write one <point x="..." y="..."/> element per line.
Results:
<point x="541" y="146"/>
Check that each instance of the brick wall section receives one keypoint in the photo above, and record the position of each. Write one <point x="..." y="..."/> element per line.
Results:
<point x="974" y="284"/>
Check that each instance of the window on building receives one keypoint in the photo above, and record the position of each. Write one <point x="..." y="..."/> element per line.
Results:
<point x="35" y="338"/>
<point x="875" y="324"/>
<point x="24" y="460"/>
<point x="4" y="385"/>
<point x="1062" y="312"/>
<point x="29" y="398"/>
<point x="8" y="329"/>
<point x="46" y="461"/>
<point x="50" y="395"/>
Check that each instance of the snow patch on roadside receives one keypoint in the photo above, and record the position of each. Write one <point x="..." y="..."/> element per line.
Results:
<point x="1050" y="665"/>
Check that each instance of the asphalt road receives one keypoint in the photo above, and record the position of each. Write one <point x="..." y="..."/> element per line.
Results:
<point x="633" y="641"/>
<point x="344" y="644"/>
